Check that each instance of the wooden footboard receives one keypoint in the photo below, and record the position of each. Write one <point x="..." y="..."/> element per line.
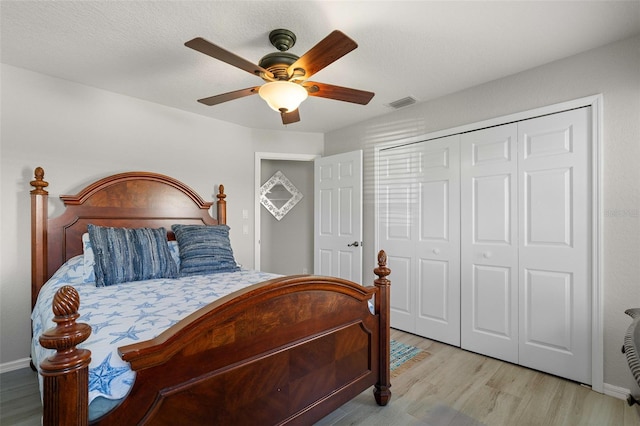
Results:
<point x="286" y="351"/>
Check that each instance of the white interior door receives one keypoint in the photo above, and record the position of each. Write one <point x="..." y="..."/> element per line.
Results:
<point x="397" y="169"/>
<point x="489" y="245"/>
<point x="419" y="222"/>
<point x="555" y="244"/>
<point x="437" y="246"/>
<point x="338" y="216"/>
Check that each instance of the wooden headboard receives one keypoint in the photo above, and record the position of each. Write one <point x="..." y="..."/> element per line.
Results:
<point x="132" y="200"/>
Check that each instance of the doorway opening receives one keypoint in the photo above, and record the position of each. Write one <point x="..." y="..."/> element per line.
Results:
<point x="285" y="246"/>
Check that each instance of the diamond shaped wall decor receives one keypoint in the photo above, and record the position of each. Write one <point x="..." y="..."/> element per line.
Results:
<point x="278" y="195"/>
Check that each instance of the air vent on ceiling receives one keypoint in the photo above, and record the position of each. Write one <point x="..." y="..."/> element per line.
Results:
<point x="401" y="103"/>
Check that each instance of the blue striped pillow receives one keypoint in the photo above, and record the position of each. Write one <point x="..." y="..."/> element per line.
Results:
<point x="204" y="249"/>
<point x="130" y="254"/>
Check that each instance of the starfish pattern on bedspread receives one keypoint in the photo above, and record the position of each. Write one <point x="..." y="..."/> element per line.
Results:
<point x="152" y="322"/>
<point x="100" y="378"/>
<point x="92" y="306"/>
<point x="143" y="315"/>
<point x="86" y="317"/>
<point x="96" y="327"/>
<point x="129" y="312"/>
<point x="160" y="296"/>
<point x="131" y="333"/>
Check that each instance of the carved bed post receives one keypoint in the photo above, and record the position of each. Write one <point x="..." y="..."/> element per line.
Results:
<point x="222" y="206"/>
<point x="66" y="374"/>
<point x="39" y="217"/>
<point x="382" y="390"/>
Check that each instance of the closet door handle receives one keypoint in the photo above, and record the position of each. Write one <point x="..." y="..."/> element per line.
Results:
<point x="487" y="254"/>
<point x="436" y="251"/>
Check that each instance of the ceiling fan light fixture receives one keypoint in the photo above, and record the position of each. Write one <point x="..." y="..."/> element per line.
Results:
<point x="283" y="96"/>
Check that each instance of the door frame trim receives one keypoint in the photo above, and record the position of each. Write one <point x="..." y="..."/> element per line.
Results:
<point x="596" y="102"/>
<point x="259" y="156"/>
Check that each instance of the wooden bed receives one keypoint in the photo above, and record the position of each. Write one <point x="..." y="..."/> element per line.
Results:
<point x="286" y="351"/>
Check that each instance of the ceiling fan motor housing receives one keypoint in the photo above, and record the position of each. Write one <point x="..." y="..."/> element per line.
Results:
<point x="277" y="63"/>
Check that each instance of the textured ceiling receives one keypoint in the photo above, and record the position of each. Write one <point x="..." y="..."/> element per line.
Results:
<point x="422" y="49"/>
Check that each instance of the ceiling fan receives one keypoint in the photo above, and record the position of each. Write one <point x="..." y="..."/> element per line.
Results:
<point x="286" y="74"/>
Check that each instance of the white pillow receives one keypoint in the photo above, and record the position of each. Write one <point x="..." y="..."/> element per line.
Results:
<point x="89" y="259"/>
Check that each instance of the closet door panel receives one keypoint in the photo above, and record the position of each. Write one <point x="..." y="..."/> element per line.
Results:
<point x="433" y="277"/>
<point x="402" y="299"/>
<point x="489" y="249"/>
<point x="549" y="215"/>
<point x="491" y="212"/>
<point x="434" y="210"/>
<point x="397" y="200"/>
<point x="548" y="303"/>
<point x="555" y="244"/>
<point x="437" y="249"/>
<point x="492" y="292"/>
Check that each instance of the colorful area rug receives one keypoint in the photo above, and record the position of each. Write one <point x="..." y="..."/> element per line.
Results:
<point x="404" y="356"/>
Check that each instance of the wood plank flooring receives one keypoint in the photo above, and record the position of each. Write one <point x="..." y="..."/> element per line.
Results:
<point x="453" y="387"/>
<point x="20" y="398"/>
<point x="450" y="387"/>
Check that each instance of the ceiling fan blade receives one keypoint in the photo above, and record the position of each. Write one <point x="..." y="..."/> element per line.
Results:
<point x="224" y="97"/>
<point x="331" y="48"/>
<point x="217" y="52"/>
<point x="338" y="93"/>
<point x="290" y="117"/>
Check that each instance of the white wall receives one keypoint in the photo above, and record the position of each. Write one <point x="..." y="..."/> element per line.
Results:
<point x="79" y="134"/>
<point x="612" y="70"/>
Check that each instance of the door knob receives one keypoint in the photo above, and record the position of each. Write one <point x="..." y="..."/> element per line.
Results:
<point x="487" y="254"/>
<point x="436" y="251"/>
<point x="354" y="244"/>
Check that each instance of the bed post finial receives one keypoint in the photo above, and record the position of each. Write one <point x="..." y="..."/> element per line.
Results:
<point x="382" y="271"/>
<point x="382" y="390"/>
<point x="222" y="206"/>
<point x="66" y="374"/>
<point x="39" y="183"/>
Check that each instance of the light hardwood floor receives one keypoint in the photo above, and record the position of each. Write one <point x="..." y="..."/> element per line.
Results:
<point x="450" y="387"/>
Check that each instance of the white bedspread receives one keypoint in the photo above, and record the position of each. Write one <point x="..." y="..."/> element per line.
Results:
<point x="128" y="313"/>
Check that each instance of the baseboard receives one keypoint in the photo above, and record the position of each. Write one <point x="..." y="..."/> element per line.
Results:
<point x="15" y="365"/>
<point x="616" y="391"/>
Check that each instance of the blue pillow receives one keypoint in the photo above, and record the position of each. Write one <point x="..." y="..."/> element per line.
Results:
<point x="89" y="275"/>
<point x="136" y="254"/>
<point x="204" y="249"/>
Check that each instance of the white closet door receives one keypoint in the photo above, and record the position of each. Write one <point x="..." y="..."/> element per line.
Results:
<point x="437" y="246"/>
<point x="489" y="246"/>
<point x="555" y="242"/>
<point x="419" y="219"/>
<point x="396" y="204"/>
